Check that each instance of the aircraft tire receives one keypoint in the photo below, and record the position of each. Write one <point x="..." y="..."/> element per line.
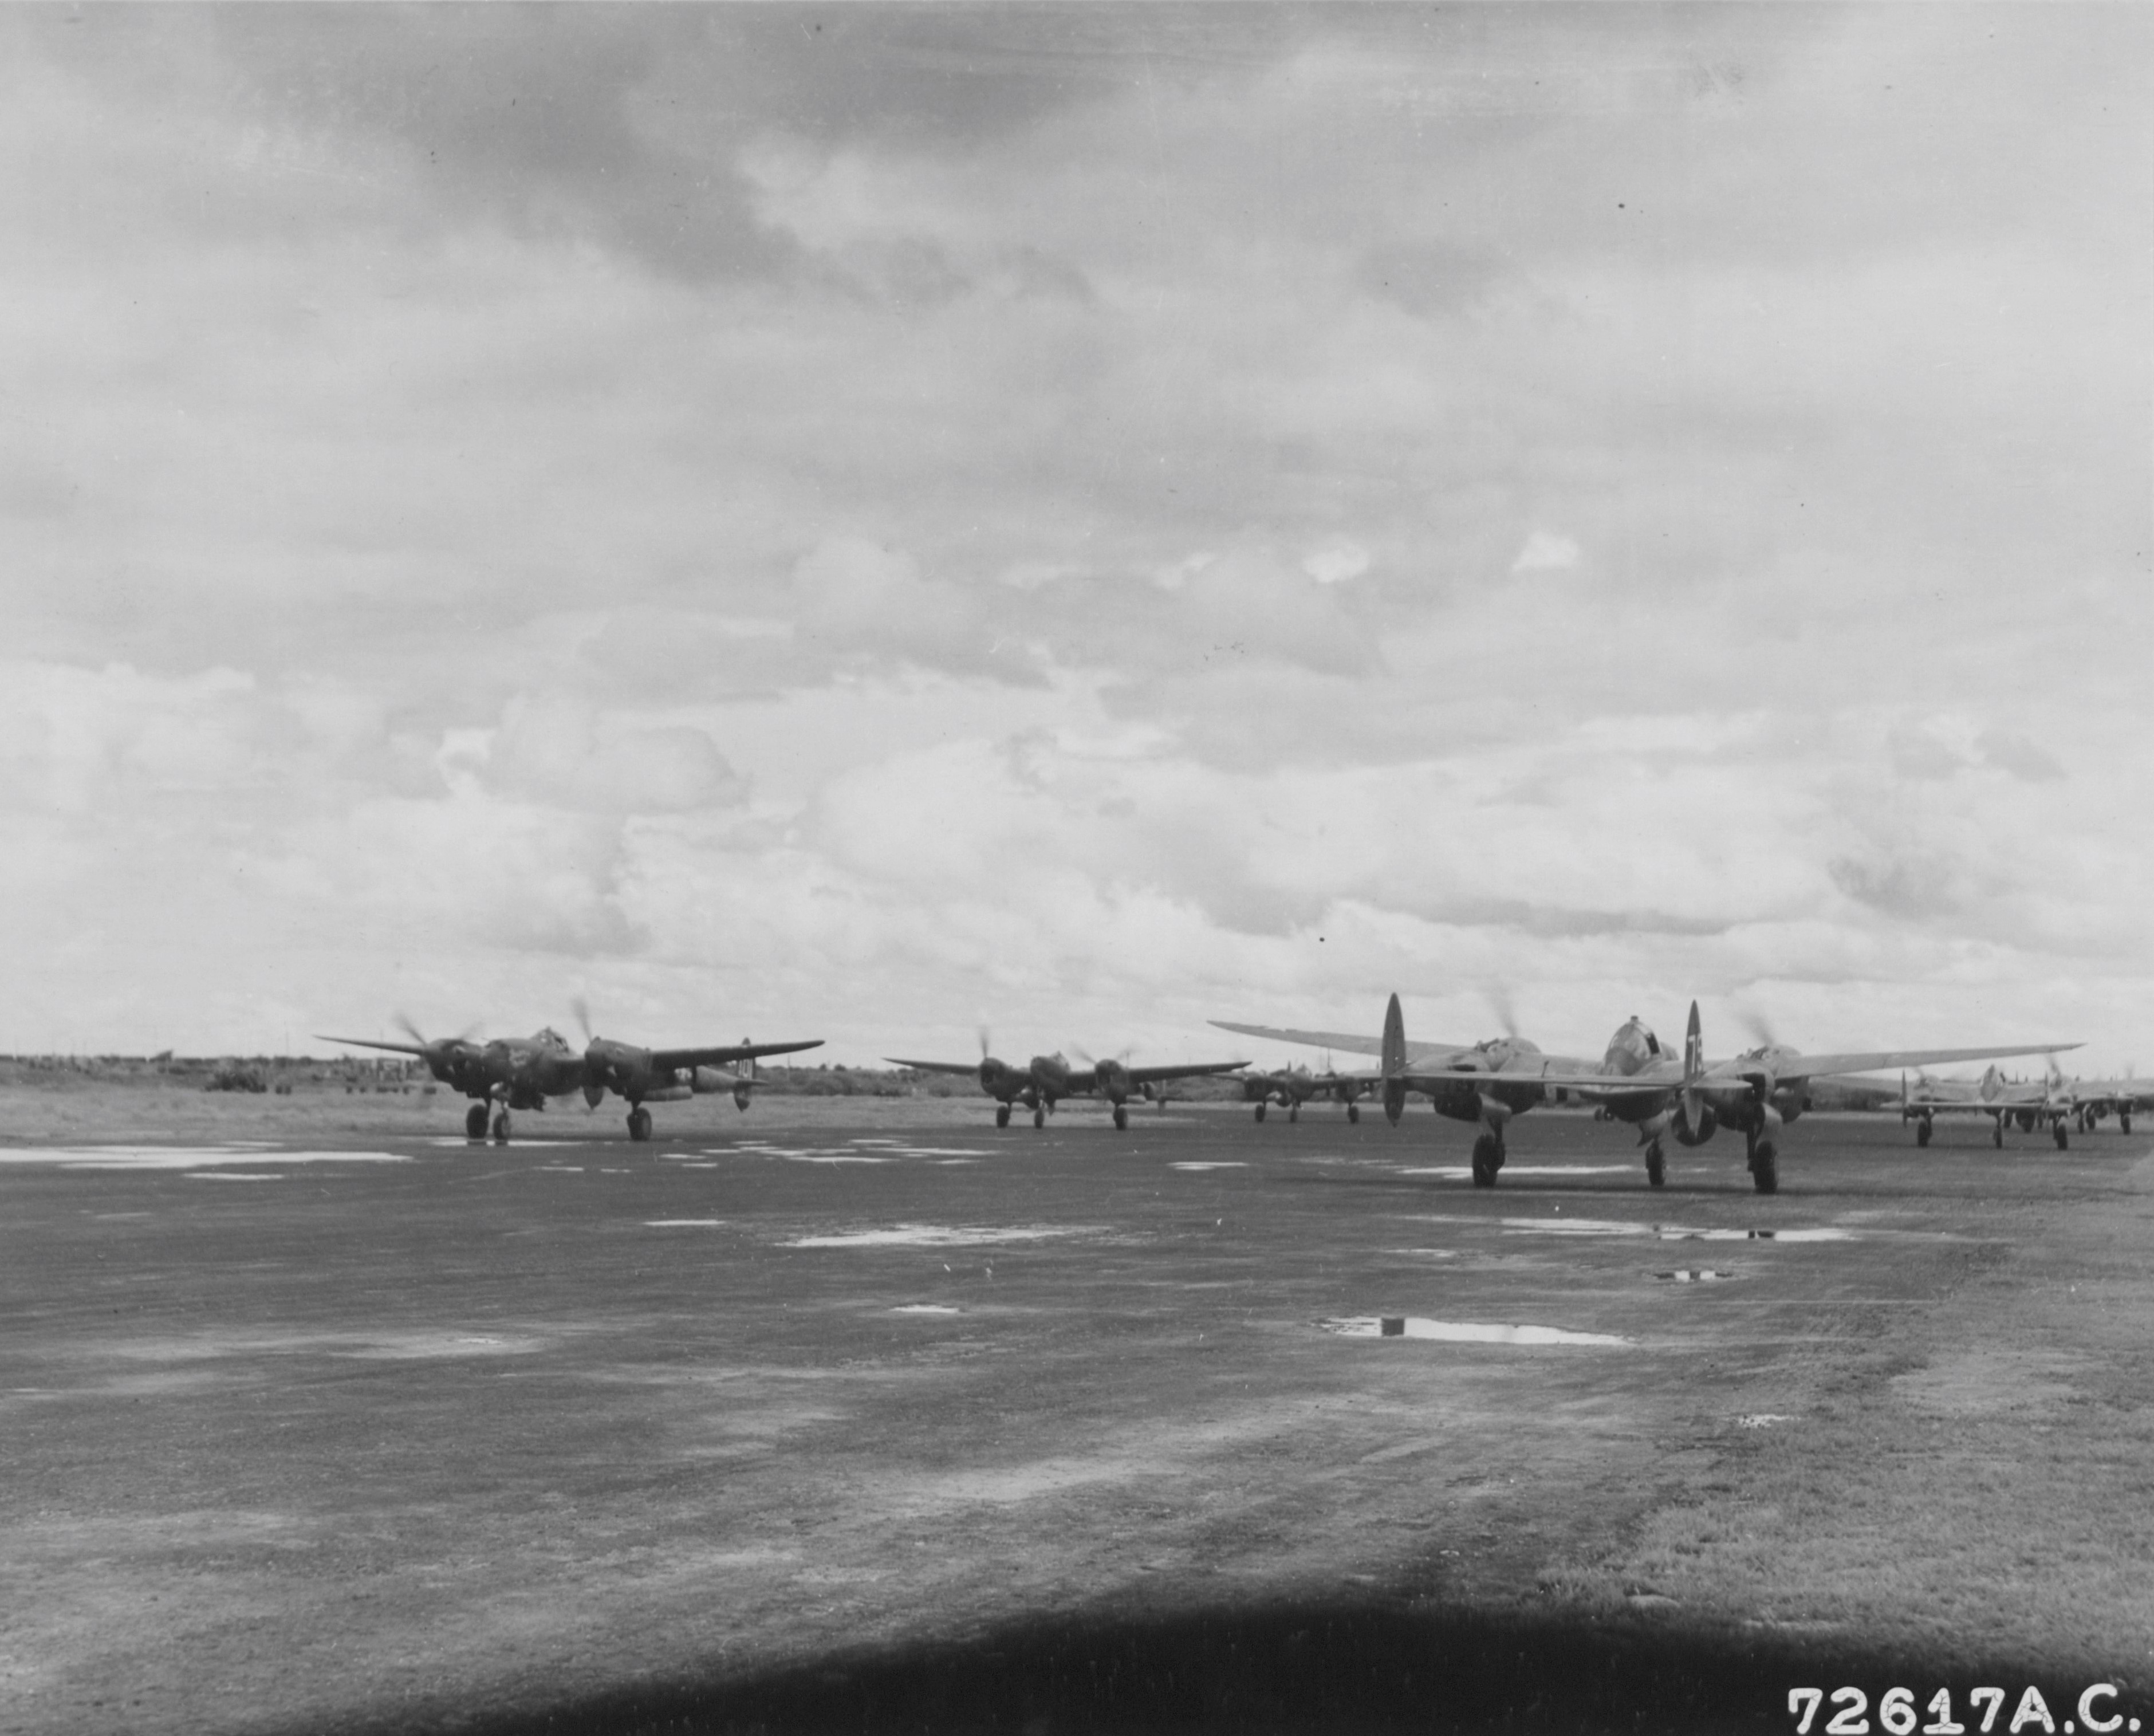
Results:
<point x="2064" y="1139"/>
<point x="1921" y="1133"/>
<point x="1294" y="1112"/>
<point x="1765" y="1168"/>
<point x="500" y="1126"/>
<point x="1261" y="1108"/>
<point x="1997" y="1134"/>
<point x="1121" y="1118"/>
<point x="1039" y="1118"/>
<point x="2123" y="1122"/>
<point x="1002" y="1115"/>
<point x="639" y="1123"/>
<point x="1485" y="1162"/>
<point x="1353" y="1114"/>
<point x="475" y="1122"/>
<point x="1656" y="1165"/>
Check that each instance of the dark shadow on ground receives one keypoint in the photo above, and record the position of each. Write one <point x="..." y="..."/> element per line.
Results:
<point x="1312" y="1667"/>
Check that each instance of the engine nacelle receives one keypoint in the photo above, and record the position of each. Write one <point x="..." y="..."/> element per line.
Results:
<point x="1687" y="1134"/>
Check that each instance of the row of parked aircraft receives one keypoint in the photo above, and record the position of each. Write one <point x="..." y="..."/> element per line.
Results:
<point x="1637" y="1081"/>
<point x="2058" y="1102"/>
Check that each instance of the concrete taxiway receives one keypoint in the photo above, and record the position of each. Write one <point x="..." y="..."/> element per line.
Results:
<point x="394" y="1432"/>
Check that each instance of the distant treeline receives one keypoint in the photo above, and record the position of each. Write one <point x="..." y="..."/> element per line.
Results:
<point x="822" y="1079"/>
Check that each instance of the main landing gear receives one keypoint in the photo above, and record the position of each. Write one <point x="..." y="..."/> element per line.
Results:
<point x="1002" y="1115"/>
<point x="501" y="1124"/>
<point x="1261" y="1108"/>
<point x="1040" y="1116"/>
<point x="2124" y="1120"/>
<point x="639" y="1123"/>
<point x="1657" y="1164"/>
<point x="1997" y="1133"/>
<point x="1765" y="1165"/>
<point x="1353" y="1114"/>
<point x="1923" y="1129"/>
<point x="1121" y="1117"/>
<point x="1487" y="1159"/>
<point x="2064" y="1139"/>
<point x="475" y="1122"/>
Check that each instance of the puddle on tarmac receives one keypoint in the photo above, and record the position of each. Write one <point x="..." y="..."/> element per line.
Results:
<point x="1694" y="1274"/>
<point x="1461" y="1172"/>
<point x="1462" y="1331"/>
<point x="1232" y="1163"/>
<point x="924" y="1307"/>
<point x="1663" y="1232"/>
<point x="936" y="1235"/>
<point x="188" y="1157"/>
<point x="682" y="1222"/>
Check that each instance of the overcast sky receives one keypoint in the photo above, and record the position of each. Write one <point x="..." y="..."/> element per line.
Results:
<point x="871" y="523"/>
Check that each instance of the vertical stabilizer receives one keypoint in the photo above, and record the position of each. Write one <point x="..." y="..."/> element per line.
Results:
<point x="1694" y="1102"/>
<point x="1395" y="1040"/>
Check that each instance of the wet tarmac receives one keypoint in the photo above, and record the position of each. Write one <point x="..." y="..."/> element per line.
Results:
<point x="797" y="1421"/>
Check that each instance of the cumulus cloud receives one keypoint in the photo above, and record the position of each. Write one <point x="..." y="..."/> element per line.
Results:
<point x="1078" y="465"/>
<point x="1545" y="552"/>
<point x="559" y="750"/>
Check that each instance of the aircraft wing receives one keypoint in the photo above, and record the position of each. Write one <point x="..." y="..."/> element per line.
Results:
<point x="666" y="1060"/>
<point x="2013" y="1097"/>
<point x="1157" y="1075"/>
<point x="1811" y="1066"/>
<point x="969" y="1069"/>
<point x="368" y="1043"/>
<point x="2102" y="1091"/>
<point x="1562" y="1074"/>
<point x="1350" y="1043"/>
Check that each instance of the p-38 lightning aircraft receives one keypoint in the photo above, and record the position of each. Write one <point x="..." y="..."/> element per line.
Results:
<point x="1290" y="1087"/>
<point x="1488" y="1082"/>
<point x="523" y="1072"/>
<point x="1047" y="1079"/>
<point x="2004" y="1100"/>
<point x="1756" y="1093"/>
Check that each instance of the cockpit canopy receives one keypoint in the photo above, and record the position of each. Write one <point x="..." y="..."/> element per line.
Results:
<point x="1633" y="1046"/>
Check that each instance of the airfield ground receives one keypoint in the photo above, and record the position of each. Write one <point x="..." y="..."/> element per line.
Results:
<point x="847" y="1414"/>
